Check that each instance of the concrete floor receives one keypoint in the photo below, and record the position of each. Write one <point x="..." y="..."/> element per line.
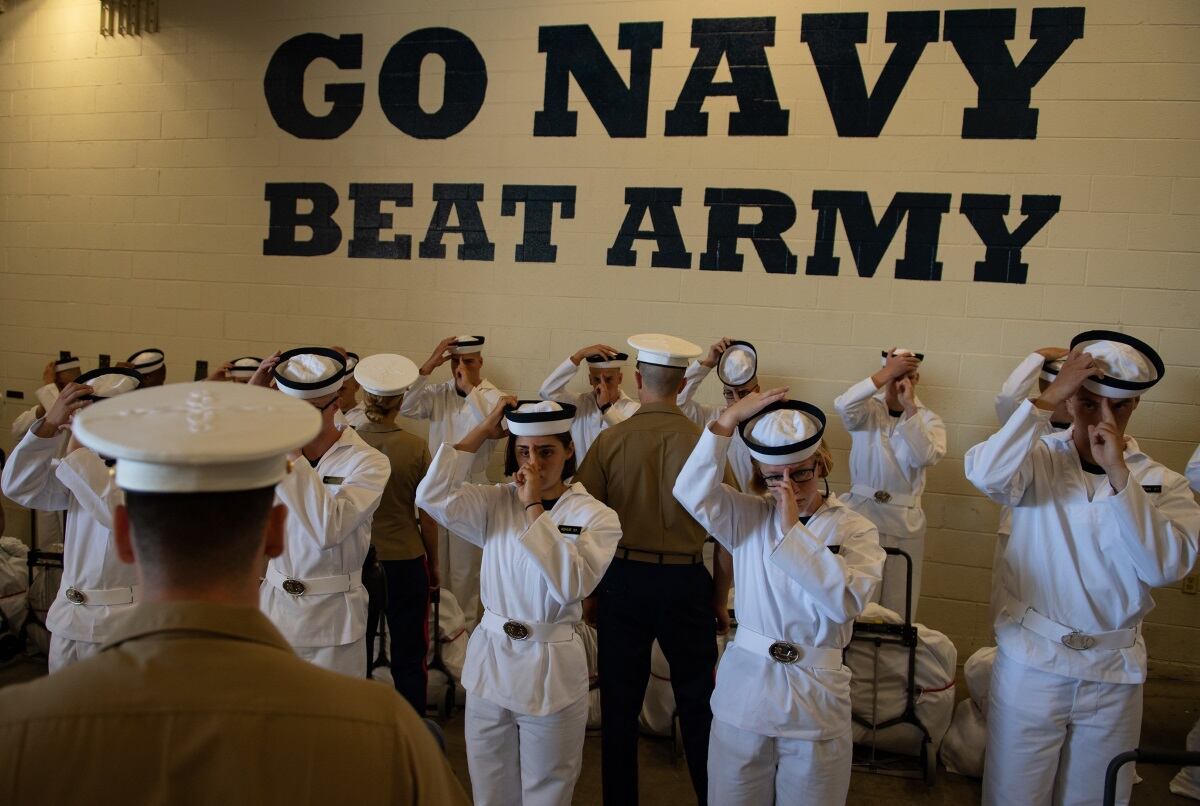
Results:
<point x="1170" y="710"/>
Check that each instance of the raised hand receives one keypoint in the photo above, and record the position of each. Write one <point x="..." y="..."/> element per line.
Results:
<point x="907" y="395"/>
<point x="440" y="355"/>
<point x="1108" y="446"/>
<point x="1078" y="367"/>
<point x="715" y="352"/>
<point x="746" y="408"/>
<point x="264" y="375"/>
<point x="48" y="373"/>
<point x="70" y="400"/>
<point x="1053" y="353"/>
<point x="529" y="479"/>
<point x="221" y="373"/>
<point x="784" y="493"/>
<point x="591" y="350"/>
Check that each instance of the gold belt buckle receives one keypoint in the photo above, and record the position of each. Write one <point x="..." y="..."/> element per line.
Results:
<point x="1078" y="641"/>
<point x="516" y="630"/>
<point x="75" y="596"/>
<point x="293" y="586"/>
<point x="882" y="496"/>
<point x="783" y="652"/>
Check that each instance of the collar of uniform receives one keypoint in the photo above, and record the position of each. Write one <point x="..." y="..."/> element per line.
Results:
<point x="229" y="621"/>
<point x="650" y="408"/>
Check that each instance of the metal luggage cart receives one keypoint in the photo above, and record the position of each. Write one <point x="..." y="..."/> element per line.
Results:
<point x="1170" y="757"/>
<point x="867" y="757"/>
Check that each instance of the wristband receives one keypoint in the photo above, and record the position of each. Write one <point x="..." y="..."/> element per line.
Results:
<point x="534" y="504"/>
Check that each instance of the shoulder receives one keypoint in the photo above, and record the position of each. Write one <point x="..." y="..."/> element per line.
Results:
<point x="585" y="503"/>
<point x="845" y="520"/>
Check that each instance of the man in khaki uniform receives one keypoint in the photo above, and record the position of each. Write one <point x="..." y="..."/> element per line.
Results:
<point x="196" y="697"/>
<point x="657" y="585"/>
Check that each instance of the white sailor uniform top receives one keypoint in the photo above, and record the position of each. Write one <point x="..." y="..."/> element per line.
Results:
<point x="740" y="461"/>
<point x="452" y="416"/>
<point x="590" y="419"/>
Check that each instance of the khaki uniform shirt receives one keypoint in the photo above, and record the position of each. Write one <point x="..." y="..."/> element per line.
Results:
<point x="395" y="532"/>
<point x="632" y="468"/>
<point x="195" y="703"/>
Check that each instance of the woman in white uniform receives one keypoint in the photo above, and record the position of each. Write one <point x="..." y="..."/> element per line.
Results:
<point x="806" y="566"/>
<point x="546" y="544"/>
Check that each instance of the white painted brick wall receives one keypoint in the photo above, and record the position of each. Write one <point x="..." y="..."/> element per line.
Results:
<point x="131" y="213"/>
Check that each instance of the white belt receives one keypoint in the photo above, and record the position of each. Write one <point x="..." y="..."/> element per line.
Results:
<point x="545" y="633"/>
<point x="885" y="497"/>
<point x="316" y="586"/>
<point x="813" y="657"/>
<point x="102" y="598"/>
<point x="1069" y="637"/>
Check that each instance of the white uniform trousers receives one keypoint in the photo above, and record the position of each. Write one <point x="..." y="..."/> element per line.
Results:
<point x="1050" y="737"/>
<point x="460" y="561"/>
<point x="522" y="760"/>
<point x="349" y="659"/>
<point x="754" y="770"/>
<point x="65" y="651"/>
<point x="891" y="592"/>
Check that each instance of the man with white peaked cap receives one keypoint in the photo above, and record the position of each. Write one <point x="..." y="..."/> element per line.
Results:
<point x="151" y="363"/>
<point x="453" y="408"/>
<point x="96" y="586"/>
<point x="1096" y="525"/>
<point x="806" y="566"/>
<point x="313" y="591"/>
<point x="196" y="697"/>
<point x="657" y="586"/>
<point x="606" y="405"/>
<point x="894" y="438"/>
<point x="736" y="363"/>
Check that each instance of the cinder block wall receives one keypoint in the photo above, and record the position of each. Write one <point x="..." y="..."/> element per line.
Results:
<point x="133" y="172"/>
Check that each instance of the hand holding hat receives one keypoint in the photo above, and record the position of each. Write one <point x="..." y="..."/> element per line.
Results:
<point x="1077" y="368"/>
<point x="441" y="354"/>
<point x="715" y="351"/>
<point x="897" y="364"/>
<point x="492" y="426"/>
<point x="266" y="370"/>
<point x="73" y="397"/>
<point x="746" y="408"/>
<point x="593" y="349"/>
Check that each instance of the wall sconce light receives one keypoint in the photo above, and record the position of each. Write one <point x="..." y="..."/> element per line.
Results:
<point x="128" y="17"/>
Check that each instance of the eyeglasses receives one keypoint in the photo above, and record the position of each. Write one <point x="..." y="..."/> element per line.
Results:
<point x="734" y="395"/>
<point x="795" y="474"/>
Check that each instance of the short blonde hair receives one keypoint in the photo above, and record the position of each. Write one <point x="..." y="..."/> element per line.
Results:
<point x="381" y="409"/>
<point x="824" y="467"/>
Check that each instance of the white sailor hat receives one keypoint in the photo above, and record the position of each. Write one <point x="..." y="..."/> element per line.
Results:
<point x="198" y="437"/>
<point x="539" y="418"/>
<point x="1050" y="368"/>
<point x="1130" y="365"/>
<point x="738" y="364"/>
<point x="605" y="362"/>
<point x="385" y="374"/>
<point x="351" y="361"/>
<point x="244" y="367"/>
<point x="149" y="360"/>
<point x="663" y="350"/>
<point x="64" y="364"/>
<point x="467" y="344"/>
<point x="109" y="382"/>
<point x="784" y="432"/>
<point x="899" y="351"/>
<point x="310" y="372"/>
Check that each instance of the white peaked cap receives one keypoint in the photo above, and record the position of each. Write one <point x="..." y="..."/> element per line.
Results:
<point x="539" y="418"/>
<point x="663" y="350"/>
<point x="198" y="437"/>
<point x="149" y="360"/>
<point x="1130" y="366"/>
<point x="385" y="374"/>
<point x="784" y="433"/>
<point x="738" y="364"/>
<point x="109" y="382"/>
<point x="899" y="351"/>
<point x="310" y="372"/>
<point x="467" y="344"/>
